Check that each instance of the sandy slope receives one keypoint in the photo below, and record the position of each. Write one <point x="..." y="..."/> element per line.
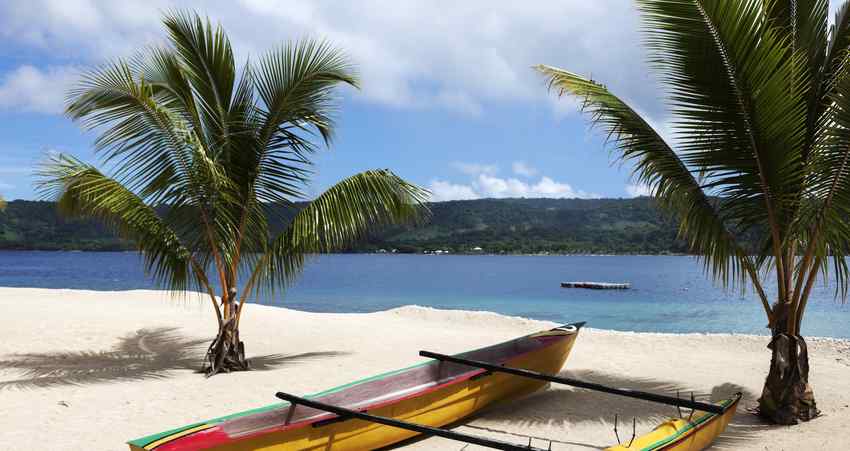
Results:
<point x="99" y="386"/>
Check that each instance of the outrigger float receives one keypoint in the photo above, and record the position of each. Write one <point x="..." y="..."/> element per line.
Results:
<point x="392" y="407"/>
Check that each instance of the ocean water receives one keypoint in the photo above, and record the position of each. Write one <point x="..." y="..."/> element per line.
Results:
<point x="669" y="293"/>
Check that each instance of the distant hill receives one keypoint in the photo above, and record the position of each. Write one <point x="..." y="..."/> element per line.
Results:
<point x="33" y="225"/>
<point x="540" y="225"/>
<point x="494" y="225"/>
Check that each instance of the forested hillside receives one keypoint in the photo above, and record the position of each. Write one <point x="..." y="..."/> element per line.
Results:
<point x="541" y="225"/>
<point x="494" y="225"/>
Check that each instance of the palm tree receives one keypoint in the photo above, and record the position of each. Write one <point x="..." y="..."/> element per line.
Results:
<point x="2" y="203"/>
<point x="760" y="94"/>
<point x="201" y="159"/>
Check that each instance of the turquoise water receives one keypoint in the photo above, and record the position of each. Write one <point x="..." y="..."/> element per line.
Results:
<point x="669" y="293"/>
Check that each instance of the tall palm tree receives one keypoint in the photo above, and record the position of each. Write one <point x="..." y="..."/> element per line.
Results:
<point x="760" y="94"/>
<point x="201" y="158"/>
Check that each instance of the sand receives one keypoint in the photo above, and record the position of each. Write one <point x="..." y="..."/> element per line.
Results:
<point x="84" y="370"/>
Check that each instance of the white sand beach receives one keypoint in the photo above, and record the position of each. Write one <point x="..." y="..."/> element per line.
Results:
<point x="106" y="367"/>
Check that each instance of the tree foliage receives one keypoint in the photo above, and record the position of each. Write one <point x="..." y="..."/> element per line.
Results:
<point x="192" y="148"/>
<point x="759" y="122"/>
<point x="511" y="226"/>
<point x="759" y="95"/>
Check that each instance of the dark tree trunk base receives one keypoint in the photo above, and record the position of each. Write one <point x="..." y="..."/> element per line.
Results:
<point x="787" y="397"/>
<point x="226" y="353"/>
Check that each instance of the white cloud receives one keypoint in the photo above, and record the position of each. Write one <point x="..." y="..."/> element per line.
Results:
<point x="523" y="169"/>
<point x="638" y="189"/>
<point x="475" y="168"/>
<point x="484" y="183"/>
<point x="460" y="102"/>
<point x="443" y="191"/>
<point x="30" y="89"/>
<point x="490" y="186"/>
<point x="412" y="54"/>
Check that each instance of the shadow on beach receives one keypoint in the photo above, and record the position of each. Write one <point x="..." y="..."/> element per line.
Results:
<point x="145" y="354"/>
<point x="564" y="408"/>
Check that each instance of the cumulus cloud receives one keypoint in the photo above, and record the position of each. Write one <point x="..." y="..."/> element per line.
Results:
<point x="485" y="183"/>
<point x="31" y="89"/>
<point x="523" y="169"/>
<point x="412" y="54"/>
<point x="491" y="186"/>
<point x="475" y="168"/>
<point x="638" y="189"/>
<point x="442" y="190"/>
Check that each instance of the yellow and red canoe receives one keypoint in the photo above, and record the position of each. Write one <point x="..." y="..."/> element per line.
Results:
<point x="431" y="393"/>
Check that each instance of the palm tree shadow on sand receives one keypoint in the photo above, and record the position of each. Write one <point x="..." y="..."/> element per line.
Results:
<point x="145" y="354"/>
<point x="564" y="407"/>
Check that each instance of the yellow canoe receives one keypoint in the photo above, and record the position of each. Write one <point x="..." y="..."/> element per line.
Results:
<point x="432" y="393"/>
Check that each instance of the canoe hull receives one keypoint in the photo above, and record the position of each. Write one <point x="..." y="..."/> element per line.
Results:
<point x="436" y="405"/>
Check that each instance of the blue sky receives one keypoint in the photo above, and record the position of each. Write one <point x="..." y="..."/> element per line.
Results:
<point x="449" y="100"/>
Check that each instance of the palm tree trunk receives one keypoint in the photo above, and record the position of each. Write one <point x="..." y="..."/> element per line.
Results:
<point x="787" y="397"/>
<point x="226" y="352"/>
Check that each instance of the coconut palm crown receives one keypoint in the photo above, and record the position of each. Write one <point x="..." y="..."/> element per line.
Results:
<point x="201" y="159"/>
<point x="760" y="95"/>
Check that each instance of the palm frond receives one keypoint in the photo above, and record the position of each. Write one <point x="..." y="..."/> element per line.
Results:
<point x="738" y="100"/>
<point x="826" y="205"/>
<point x="838" y="46"/>
<point x="207" y="58"/>
<point x="805" y="21"/>
<point x="296" y="84"/>
<point x="82" y="191"/>
<point x="153" y="136"/>
<point x="147" y="142"/>
<point x="660" y="168"/>
<point x="170" y="82"/>
<point x="826" y="66"/>
<point x="343" y="214"/>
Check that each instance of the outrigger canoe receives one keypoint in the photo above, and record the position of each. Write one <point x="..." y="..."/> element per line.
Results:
<point x="431" y="393"/>
<point x="392" y="407"/>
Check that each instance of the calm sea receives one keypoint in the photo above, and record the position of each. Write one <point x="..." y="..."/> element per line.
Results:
<point x="669" y="294"/>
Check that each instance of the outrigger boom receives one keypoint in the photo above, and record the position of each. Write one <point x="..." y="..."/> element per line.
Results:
<point x="690" y="404"/>
<point x="344" y="413"/>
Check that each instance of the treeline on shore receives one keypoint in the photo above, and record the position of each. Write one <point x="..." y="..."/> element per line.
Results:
<point x="493" y="226"/>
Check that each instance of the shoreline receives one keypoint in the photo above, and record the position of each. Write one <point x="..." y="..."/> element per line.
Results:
<point x="304" y="352"/>
<point x="447" y="254"/>
<point x="204" y="301"/>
